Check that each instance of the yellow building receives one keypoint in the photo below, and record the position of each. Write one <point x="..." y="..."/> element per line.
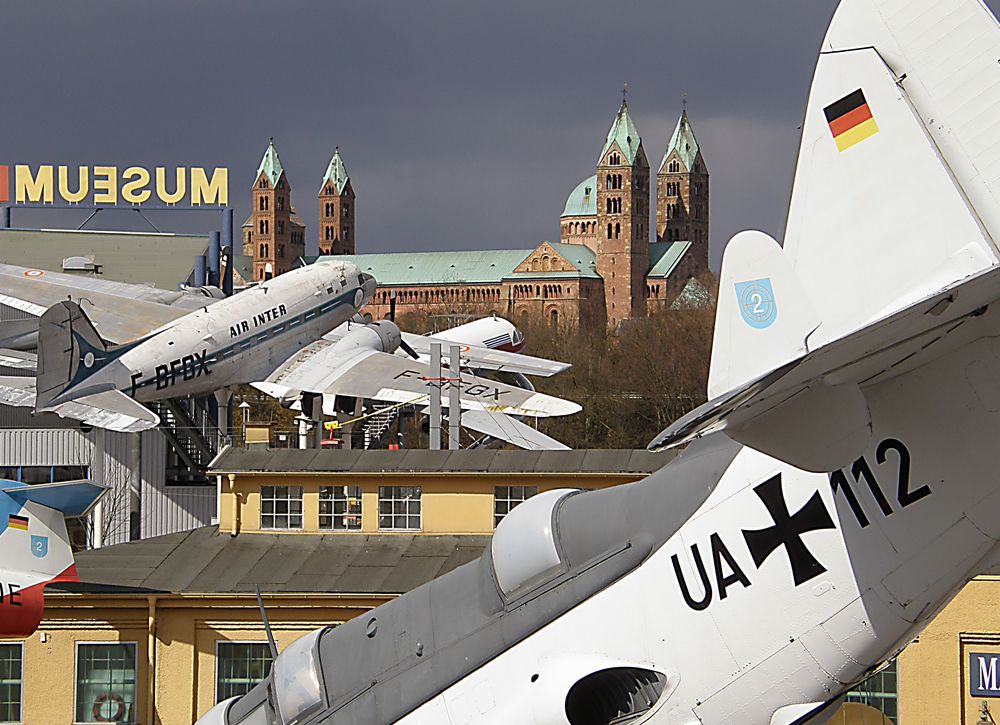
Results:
<point x="956" y="656"/>
<point x="160" y="629"/>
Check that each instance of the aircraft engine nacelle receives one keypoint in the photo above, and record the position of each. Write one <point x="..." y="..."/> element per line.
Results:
<point x="207" y="291"/>
<point x="381" y="336"/>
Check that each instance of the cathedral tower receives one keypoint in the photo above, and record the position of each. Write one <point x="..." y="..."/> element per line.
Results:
<point x="622" y="220"/>
<point x="682" y="193"/>
<point x="335" y="204"/>
<point x="270" y="233"/>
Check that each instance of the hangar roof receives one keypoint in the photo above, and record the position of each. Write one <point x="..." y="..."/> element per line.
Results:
<point x="205" y="561"/>
<point x="291" y="460"/>
<point x="161" y="260"/>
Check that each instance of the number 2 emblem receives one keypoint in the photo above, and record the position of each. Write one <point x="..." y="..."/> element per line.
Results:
<point x="756" y="302"/>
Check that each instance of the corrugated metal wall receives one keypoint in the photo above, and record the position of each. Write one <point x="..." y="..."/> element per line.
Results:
<point x="162" y="509"/>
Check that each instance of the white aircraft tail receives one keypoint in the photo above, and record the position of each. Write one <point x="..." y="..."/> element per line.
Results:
<point x="34" y="545"/>
<point x="891" y="234"/>
<point x="69" y="351"/>
<point x="887" y="208"/>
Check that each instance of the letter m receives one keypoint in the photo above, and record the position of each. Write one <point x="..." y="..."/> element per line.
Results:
<point x="33" y="189"/>
<point x="204" y="191"/>
<point x="988" y="673"/>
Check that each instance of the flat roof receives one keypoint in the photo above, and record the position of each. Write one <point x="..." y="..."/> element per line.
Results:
<point x="160" y="260"/>
<point x="205" y="561"/>
<point x="291" y="460"/>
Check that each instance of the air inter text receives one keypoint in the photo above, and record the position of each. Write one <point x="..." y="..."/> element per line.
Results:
<point x="261" y="318"/>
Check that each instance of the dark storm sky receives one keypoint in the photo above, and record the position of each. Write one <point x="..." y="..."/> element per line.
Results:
<point x="463" y="124"/>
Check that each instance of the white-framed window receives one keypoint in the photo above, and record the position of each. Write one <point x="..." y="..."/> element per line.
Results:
<point x="239" y="667"/>
<point x="399" y="508"/>
<point x="105" y="682"/>
<point x="506" y="498"/>
<point x="281" y="507"/>
<point x="11" y="658"/>
<point x="340" y="508"/>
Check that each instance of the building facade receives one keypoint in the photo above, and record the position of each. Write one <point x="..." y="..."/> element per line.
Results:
<point x="603" y="270"/>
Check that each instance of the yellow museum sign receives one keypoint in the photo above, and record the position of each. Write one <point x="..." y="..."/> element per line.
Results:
<point x="105" y="185"/>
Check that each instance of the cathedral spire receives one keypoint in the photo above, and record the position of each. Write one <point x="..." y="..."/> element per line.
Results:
<point x="683" y="141"/>
<point x="271" y="164"/>
<point x="336" y="172"/>
<point x="623" y="132"/>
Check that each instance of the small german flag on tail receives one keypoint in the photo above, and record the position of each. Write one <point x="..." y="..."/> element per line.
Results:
<point x="17" y="522"/>
<point x="850" y="120"/>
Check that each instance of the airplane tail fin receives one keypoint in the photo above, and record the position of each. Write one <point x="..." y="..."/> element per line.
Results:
<point x="34" y="545"/>
<point x="892" y="232"/>
<point x="70" y="350"/>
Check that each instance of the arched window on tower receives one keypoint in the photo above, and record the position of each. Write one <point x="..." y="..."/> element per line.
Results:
<point x="607" y="182"/>
<point x="618" y="230"/>
<point x="608" y="205"/>
<point x="609" y="231"/>
<point x="261" y="252"/>
<point x="554" y="318"/>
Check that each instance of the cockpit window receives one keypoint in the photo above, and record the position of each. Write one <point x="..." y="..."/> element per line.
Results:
<point x="298" y="688"/>
<point x="524" y="548"/>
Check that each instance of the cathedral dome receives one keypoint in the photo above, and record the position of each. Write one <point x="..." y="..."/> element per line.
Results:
<point x="582" y="200"/>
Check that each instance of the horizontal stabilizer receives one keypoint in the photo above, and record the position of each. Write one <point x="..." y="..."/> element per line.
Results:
<point x="111" y="409"/>
<point x="511" y="430"/>
<point x="788" y="413"/>
<point x="72" y="498"/>
<point x="18" y="359"/>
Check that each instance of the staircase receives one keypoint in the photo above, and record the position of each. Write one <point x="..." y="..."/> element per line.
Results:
<point x="377" y="425"/>
<point x="191" y="430"/>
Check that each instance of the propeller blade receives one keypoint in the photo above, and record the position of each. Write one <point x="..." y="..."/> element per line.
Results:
<point x="405" y="346"/>
<point x="392" y="308"/>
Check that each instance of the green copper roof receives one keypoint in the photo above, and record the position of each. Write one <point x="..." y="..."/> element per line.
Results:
<point x="684" y="142"/>
<point x="582" y="200"/>
<point x="271" y="165"/>
<point x="624" y="133"/>
<point x="487" y="266"/>
<point x="336" y="173"/>
<point x="664" y="256"/>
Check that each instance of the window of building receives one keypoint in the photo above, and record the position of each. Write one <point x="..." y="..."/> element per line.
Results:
<point x="505" y="498"/>
<point x="281" y="202"/>
<point x="281" y="227"/>
<point x="281" y="507"/>
<point x="239" y="667"/>
<point x="10" y="682"/>
<point x="340" y="508"/>
<point x="399" y="508"/>
<point x="44" y="474"/>
<point x="105" y="682"/>
<point x="879" y="691"/>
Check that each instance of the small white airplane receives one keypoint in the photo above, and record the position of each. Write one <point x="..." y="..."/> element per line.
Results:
<point x="136" y="345"/>
<point x="838" y="490"/>
<point x="34" y="546"/>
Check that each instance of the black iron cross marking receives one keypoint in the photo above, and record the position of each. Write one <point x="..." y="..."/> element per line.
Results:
<point x="787" y="530"/>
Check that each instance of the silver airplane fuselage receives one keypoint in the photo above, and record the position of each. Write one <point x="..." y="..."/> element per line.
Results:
<point x="236" y="340"/>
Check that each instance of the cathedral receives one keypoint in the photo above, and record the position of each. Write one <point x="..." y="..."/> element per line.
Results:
<point x="603" y="270"/>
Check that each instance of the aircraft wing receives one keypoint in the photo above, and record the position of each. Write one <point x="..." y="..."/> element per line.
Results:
<point x="484" y="358"/>
<point x="811" y="412"/>
<point x="121" y="312"/>
<point x="111" y="409"/>
<point x="511" y="430"/>
<point x="365" y="373"/>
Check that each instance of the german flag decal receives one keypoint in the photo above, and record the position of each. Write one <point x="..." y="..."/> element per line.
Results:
<point x="17" y="522"/>
<point x="850" y="120"/>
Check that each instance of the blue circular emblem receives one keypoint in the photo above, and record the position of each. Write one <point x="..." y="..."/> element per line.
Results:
<point x="756" y="301"/>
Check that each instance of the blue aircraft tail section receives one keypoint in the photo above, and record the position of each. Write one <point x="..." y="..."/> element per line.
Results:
<point x="72" y="498"/>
